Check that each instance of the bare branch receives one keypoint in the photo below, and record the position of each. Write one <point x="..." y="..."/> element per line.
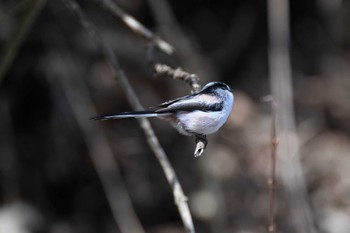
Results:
<point x="97" y="144"/>
<point x="281" y="87"/>
<point x="135" y="25"/>
<point x="178" y="73"/>
<point x="272" y="179"/>
<point x="180" y="198"/>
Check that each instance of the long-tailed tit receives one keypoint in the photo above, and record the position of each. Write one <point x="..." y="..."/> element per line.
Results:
<point x="197" y="114"/>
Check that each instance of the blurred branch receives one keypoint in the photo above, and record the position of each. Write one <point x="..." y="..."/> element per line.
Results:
<point x="291" y="172"/>
<point x="96" y="140"/>
<point x="99" y="149"/>
<point x="13" y="45"/>
<point x="272" y="179"/>
<point x="180" y="198"/>
<point x="134" y="25"/>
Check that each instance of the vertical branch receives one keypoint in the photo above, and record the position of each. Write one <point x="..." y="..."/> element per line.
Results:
<point x="281" y="87"/>
<point x="179" y="196"/>
<point x="271" y="182"/>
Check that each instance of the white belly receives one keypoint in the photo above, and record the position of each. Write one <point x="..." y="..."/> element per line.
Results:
<point x="203" y="123"/>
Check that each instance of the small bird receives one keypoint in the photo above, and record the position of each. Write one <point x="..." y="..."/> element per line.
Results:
<point x="197" y="114"/>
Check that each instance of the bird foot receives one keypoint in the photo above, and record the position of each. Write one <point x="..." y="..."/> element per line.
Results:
<point x="201" y="144"/>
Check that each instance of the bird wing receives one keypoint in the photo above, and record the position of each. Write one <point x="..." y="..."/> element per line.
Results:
<point x="170" y="102"/>
<point x="198" y="101"/>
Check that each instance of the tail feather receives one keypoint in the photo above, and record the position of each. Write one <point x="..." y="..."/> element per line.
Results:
<point x="139" y="114"/>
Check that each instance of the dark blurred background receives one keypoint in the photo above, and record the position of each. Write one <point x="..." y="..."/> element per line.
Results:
<point x="54" y="78"/>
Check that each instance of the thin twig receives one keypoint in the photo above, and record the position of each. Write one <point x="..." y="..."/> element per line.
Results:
<point x="180" y="198"/>
<point x="135" y="25"/>
<point x="14" y="43"/>
<point x="272" y="178"/>
<point x="178" y="73"/>
<point x="291" y="172"/>
<point x="161" y="69"/>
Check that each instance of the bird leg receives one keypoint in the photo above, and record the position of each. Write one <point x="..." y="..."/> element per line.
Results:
<point x="201" y="144"/>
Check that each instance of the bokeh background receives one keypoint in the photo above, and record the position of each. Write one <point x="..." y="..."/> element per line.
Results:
<point x="54" y="78"/>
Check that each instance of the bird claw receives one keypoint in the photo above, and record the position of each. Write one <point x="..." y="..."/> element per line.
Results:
<point x="201" y="143"/>
<point x="198" y="152"/>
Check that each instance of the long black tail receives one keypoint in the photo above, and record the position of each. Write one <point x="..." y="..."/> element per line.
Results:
<point x="139" y="114"/>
